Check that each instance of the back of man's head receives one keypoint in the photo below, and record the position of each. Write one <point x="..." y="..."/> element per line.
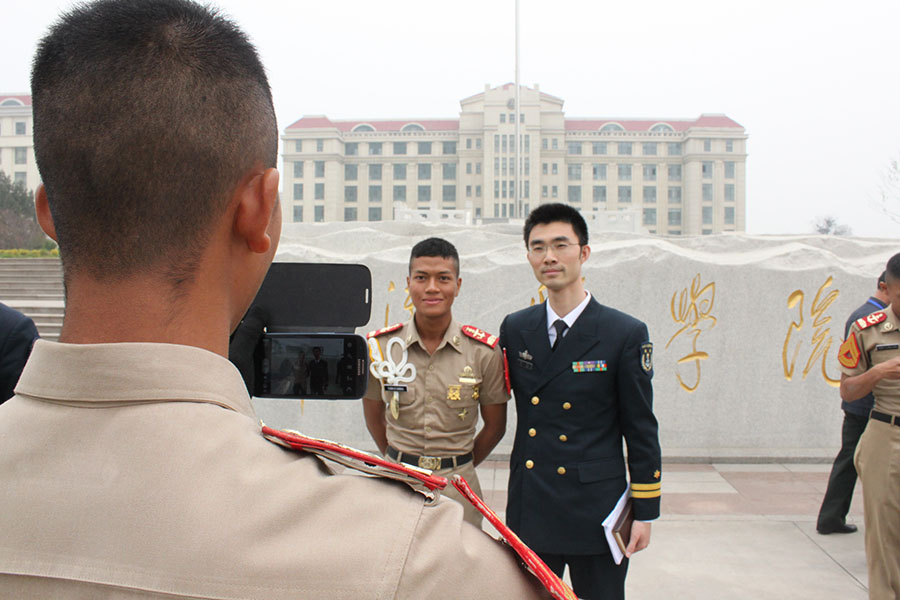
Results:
<point x="147" y="114"/>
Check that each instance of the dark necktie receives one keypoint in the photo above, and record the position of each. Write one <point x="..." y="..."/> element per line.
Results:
<point x="560" y="327"/>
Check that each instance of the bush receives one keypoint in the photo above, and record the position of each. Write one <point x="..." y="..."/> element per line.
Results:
<point x="27" y="253"/>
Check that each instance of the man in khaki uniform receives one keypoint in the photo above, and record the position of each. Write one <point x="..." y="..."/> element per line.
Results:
<point x="133" y="465"/>
<point x="431" y="377"/>
<point x="870" y="363"/>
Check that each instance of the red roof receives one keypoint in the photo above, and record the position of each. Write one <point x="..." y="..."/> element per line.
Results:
<point x="647" y="124"/>
<point x="322" y="122"/>
<point x="24" y="99"/>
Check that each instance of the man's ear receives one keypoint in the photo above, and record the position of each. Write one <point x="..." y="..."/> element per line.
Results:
<point x="585" y="252"/>
<point x="42" y="210"/>
<point x="257" y="201"/>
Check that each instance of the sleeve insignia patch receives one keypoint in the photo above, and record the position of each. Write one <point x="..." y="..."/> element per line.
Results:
<point x="390" y="328"/>
<point x="482" y="336"/>
<point x="874" y="319"/>
<point x="647" y="357"/>
<point x="848" y="354"/>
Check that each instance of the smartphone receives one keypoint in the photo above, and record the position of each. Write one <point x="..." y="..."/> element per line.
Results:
<point x="330" y="366"/>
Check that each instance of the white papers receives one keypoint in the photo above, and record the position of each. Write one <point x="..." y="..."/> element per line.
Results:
<point x="610" y="522"/>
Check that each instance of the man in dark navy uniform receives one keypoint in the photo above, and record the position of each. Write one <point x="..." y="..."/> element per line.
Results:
<point x="17" y="335"/>
<point x="581" y="375"/>
<point x="836" y="503"/>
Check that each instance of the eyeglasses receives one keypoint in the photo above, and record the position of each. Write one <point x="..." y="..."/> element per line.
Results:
<point x="539" y="250"/>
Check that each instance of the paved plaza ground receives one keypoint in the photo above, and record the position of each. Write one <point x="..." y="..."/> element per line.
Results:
<point x="737" y="531"/>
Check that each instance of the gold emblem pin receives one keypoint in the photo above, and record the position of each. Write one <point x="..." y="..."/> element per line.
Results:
<point x="524" y="355"/>
<point x="476" y="392"/>
<point x="887" y="326"/>
<point x="453" y="392"/>
<point x="463" y="414"/>
<point x="456" y="340"/>
<point x="468" y="376"/>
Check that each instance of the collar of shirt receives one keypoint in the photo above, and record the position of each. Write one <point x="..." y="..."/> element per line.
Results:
<point x="454" y="329"/>
<point x="569" y="319"/>
<point x="877" y="303"/>
<point x="108" y="375"/>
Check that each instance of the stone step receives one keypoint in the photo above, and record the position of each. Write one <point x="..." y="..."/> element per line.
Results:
<point x="5" y="298"/>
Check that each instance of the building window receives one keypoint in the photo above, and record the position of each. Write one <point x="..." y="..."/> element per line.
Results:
<point x="729" y="215"/>
<point x="527" y="143"/>
<point x="599" y="193"/>
<point x="555" y="192"/>
<point x="449" y="148"/>
<point x="650" y="216"/>
<point x="527" y="167"/>
<point x="424" y="194"/>
<point x="320" y="145"/>
<point x="468" y="143"/>
<point x="449" y="170"/>
<point x="298" y="169"/>
<point x="674" y="216"/>
<point x="298" y="145"/>
<point x="468" y="191"/>
<point x="649" y="172"/>
<point x="478" y="143"/>
<point x="706" y="169"/>
<point x="599" y="147"/>
<point x="554" y="144"/>
<point x="496" y="143"/>
<point x="496" y="188"/>
<point x="478" y="168"/>
<point x="298" y="191"/>
<point x="512" y="118"/>
<point x="21" y="156"/>
<point x="599" y="171"/>
<point x="449" y="194"/>
<point x="544" y="143"/>
<point x="649" y="194"/>
<point x="575" y="194"/>
<point x="399" y="193"/>
<point x="624" y="194"/>
<point x="20" y="177"/>
<point x="574" y="172"/>
<point x="527" y="193"/>
<point x="729" y="192"/>
<point x="374" y="193"/>
<point x="351" y="148"/>
<point x="400" y="171"/>
<point x="20" y="127"/>
<point x="319" y="213"/>
<point x="320" y="191"/>
<point x="399" y="147"/>
<point x="675" y="195"/>
<point x="374" y="213"/>
<point x="544" y="169"/>
<point x="544" y="193"/>
<point x="478" y="191"/>
<point x="320" y="168"/>
<point x="624" y="148"/>
<point x="424" y="147"/>
<point x="554" y="169"/>
<point x="503" y="138"/>
<point x="374" y="148"/>
<point x="351" y="172"/>
<point x="298" y="213"/>
<point x="674" y="172"/>
<point x="497" y="165"/>
<point x="375" y="172"/>
<point x="522" y="120"/>
<point x="674" y="148"/>
<point x="706" y="231"/>
<point x="503" y="188"/>
<point x="707" y="145"/>
<point x="729" y="145"/>
<point x="351" y="194"/>
<point x="574" y="147"/>
<point x="729" y="169"/>
<point x="624" y="172"/>
<point x="707" y="192"/>
<point x="649" y="149"/>
<point x="468" y="168"/>
<point x="707" y="215"/>
<point x="424" y="170"/>
<point x="350" y="213"/>
<point x="503" y="117"/>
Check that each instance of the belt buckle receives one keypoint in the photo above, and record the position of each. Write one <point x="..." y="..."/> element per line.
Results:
<point x="432" y="463"/>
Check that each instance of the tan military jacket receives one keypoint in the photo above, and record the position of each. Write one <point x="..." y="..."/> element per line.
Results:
<point x="437" y="411"/>
<point x="872" y="340"/>
<point x="139" y="471"/>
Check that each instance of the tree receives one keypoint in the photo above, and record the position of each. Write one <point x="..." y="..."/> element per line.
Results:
<point x="829" y="225"/>
<point x="18" y="224"/>
<point x="890" y="190"/>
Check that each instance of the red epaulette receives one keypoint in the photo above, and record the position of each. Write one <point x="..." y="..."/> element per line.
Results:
<point x="387" y="329"/>
<point x="482" y="336"/>
<point x="874" y="319"/>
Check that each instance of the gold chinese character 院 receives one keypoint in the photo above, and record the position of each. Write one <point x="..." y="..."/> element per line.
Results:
<point x="693" y="311"/>
<point x="821" y="339"/>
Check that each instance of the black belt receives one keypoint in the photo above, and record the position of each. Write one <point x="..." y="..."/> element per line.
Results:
<point x="885" y="418"/>
<point x="432" y="463"/>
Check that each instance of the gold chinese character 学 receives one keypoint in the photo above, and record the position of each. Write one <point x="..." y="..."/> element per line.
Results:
<point x="821" y="339"/>
<point x="692" y="309"/>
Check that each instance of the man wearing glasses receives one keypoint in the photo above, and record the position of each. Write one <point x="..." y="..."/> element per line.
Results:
<point x="580" y="372"/>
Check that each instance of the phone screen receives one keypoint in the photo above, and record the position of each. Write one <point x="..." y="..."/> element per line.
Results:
<point x="312" y="365"/>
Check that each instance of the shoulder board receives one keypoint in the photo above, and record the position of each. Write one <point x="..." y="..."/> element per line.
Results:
<point x="484" y="337"/>
<point x="874" y="319"/>
<point x="387" y="329"/>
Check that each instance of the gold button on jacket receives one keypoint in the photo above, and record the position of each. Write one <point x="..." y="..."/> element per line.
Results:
<point x="529" y="464"/>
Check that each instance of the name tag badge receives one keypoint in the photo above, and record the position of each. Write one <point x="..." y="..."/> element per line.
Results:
<point x="887" y="347"/>
<point x="588" y="366"/>
<point x="395" y="388"/>
<point x="527" y="365"/>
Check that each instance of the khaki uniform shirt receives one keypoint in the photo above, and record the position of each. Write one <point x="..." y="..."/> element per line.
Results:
<point x="139" y="471"/>
<point x="873" y="340"/>
<point x="439" y="409"/>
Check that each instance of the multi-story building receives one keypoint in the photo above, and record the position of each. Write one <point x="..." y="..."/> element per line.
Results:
<point x="16" y="146"/>
<point x="679" y="177"/>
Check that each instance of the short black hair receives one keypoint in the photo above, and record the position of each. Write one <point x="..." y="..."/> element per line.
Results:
<point x="435" y="246"/>
<point x="147" y="114"/>
<point x="556" y="212"/>
<point x="892" y="270"/>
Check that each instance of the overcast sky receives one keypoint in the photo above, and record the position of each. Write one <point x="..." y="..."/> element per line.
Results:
<point x="816" y="84"/>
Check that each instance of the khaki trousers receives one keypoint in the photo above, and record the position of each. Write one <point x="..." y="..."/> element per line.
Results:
<point x="467" y="472"/>
<point x="877" y="460"/>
